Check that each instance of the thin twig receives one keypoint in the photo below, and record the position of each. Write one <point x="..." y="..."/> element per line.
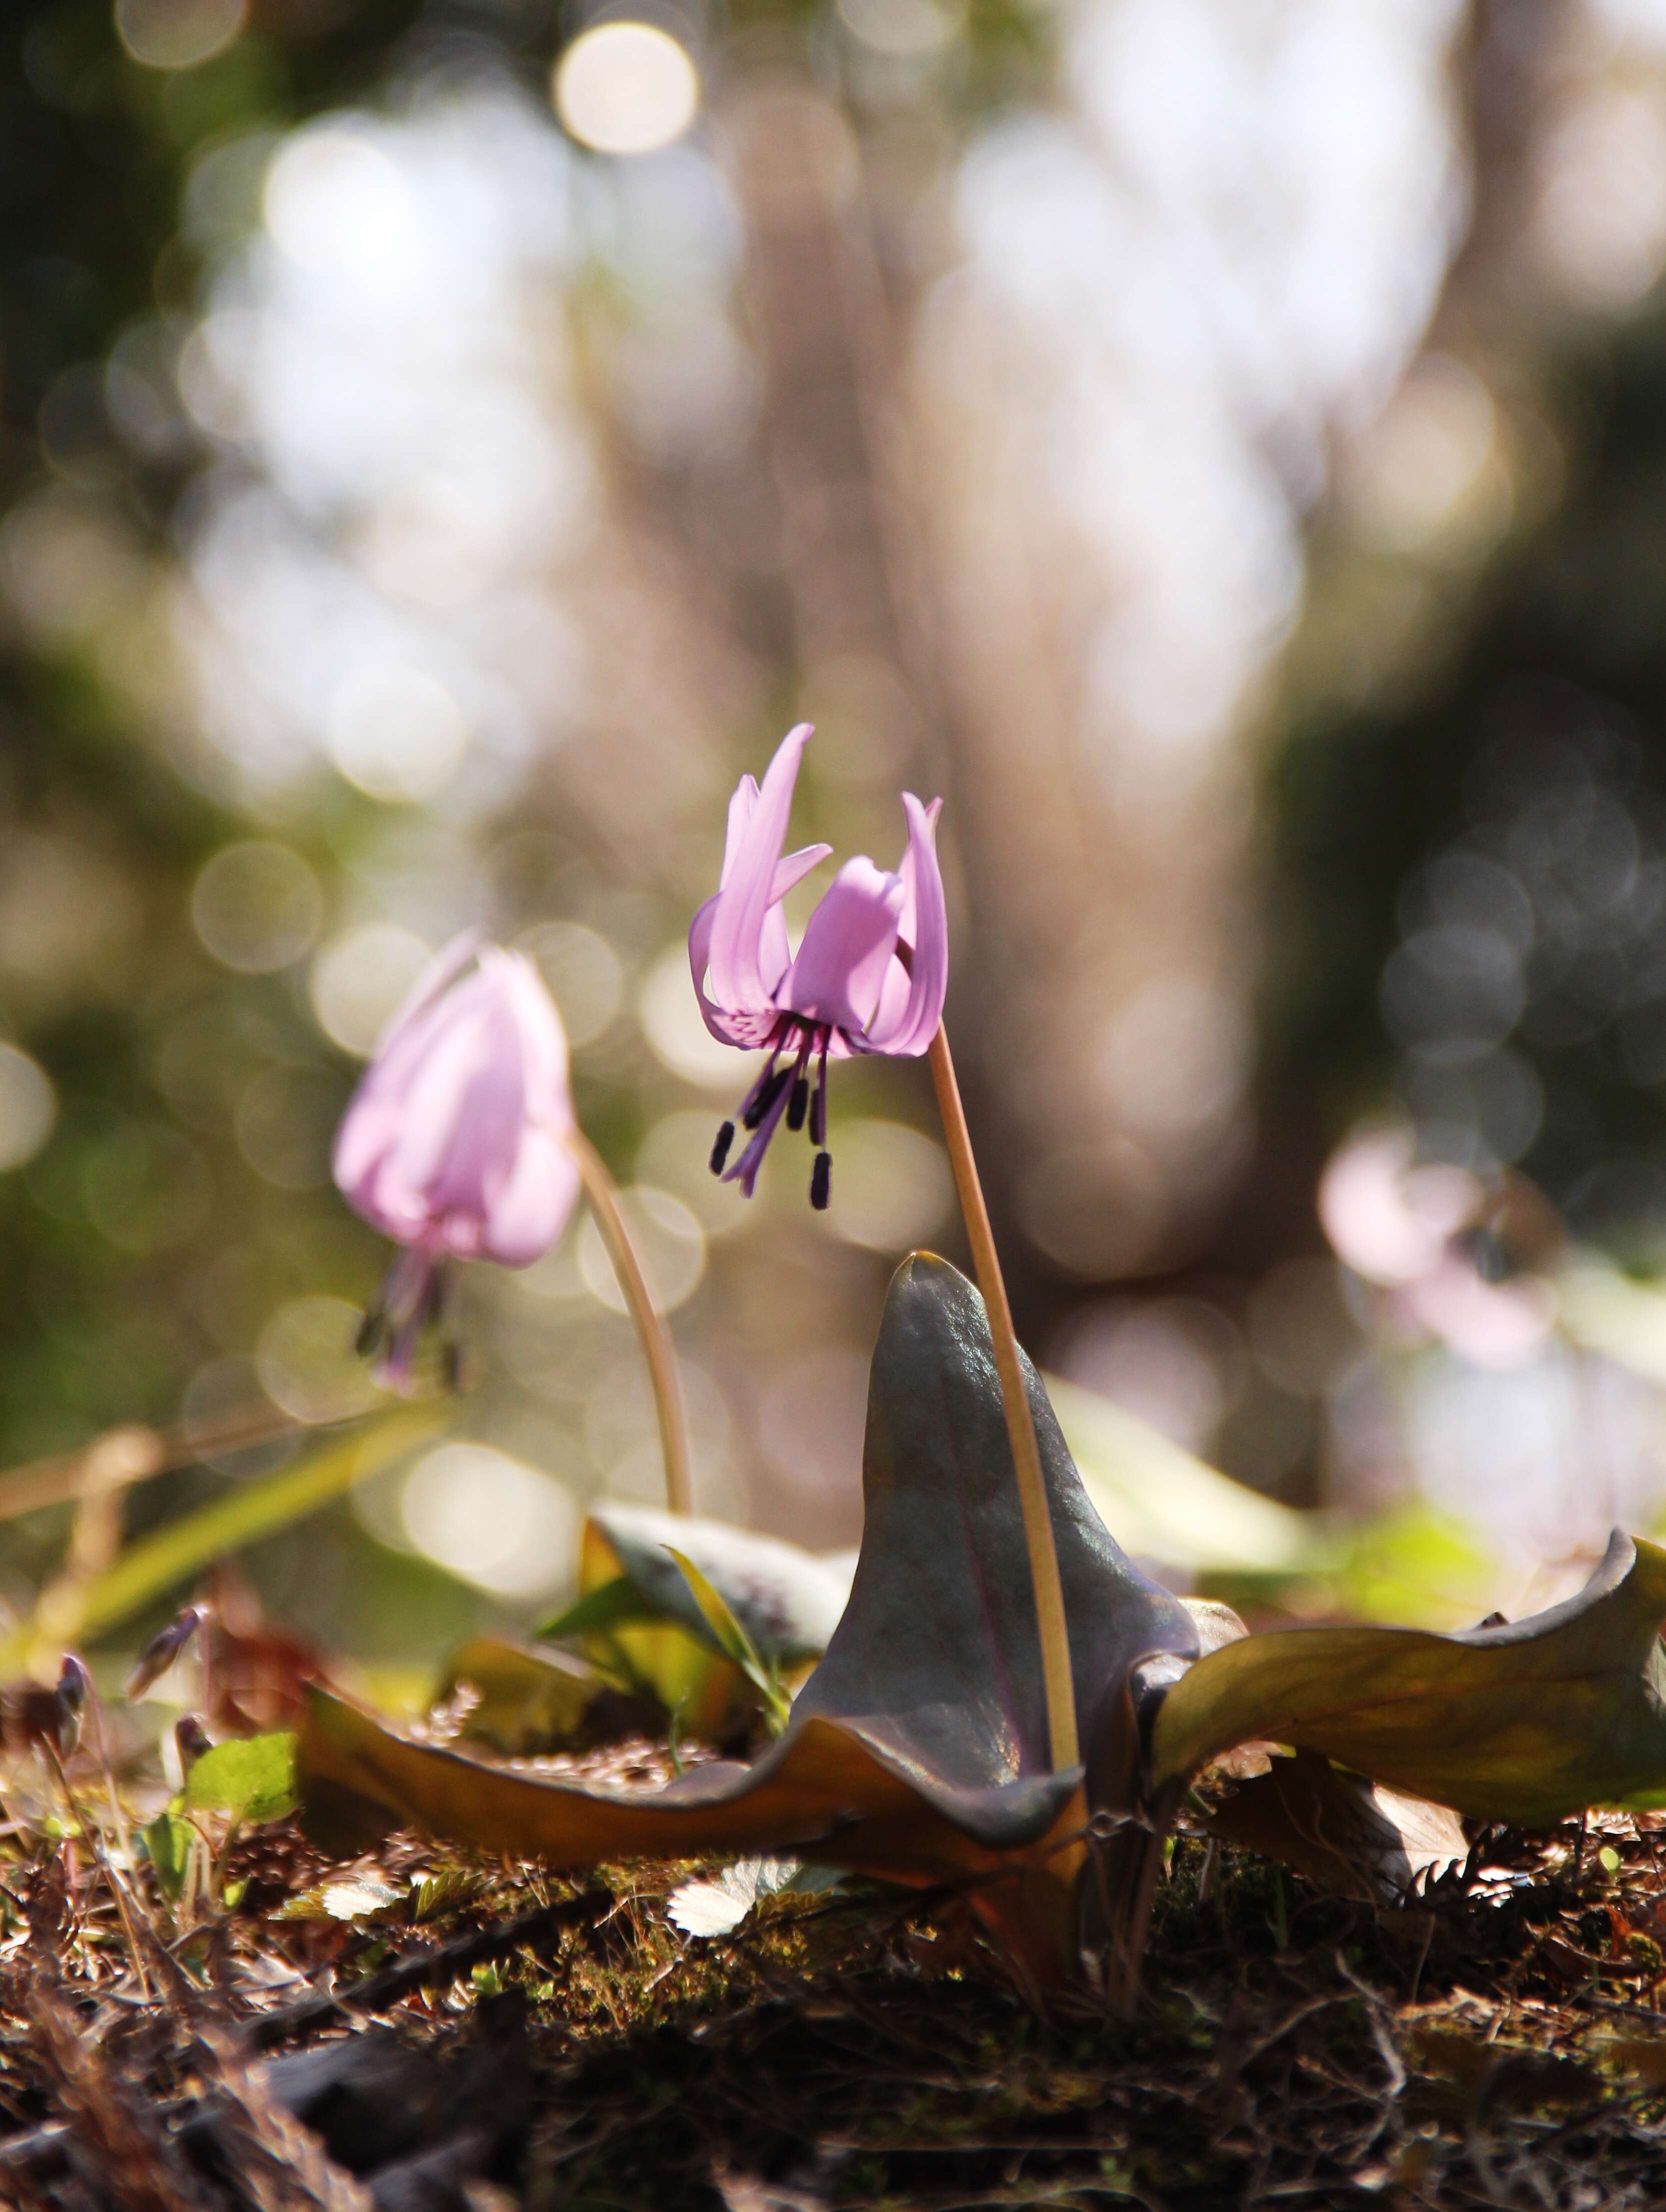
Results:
<point x="1020" y="1426"/>
<point x="430" y="1969"/>
<point x="116" y="1887"/>
<point x="651" y="1330"/>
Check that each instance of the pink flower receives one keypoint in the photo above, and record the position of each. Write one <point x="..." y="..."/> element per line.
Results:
<point x="454" y="1144"/>
<point x="1412" y="1231"/>
<point x="869" y="975"/>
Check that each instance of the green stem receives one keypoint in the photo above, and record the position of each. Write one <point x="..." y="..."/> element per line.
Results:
<point x="652" y="1332"/>
<point x="1020" y="1427"/>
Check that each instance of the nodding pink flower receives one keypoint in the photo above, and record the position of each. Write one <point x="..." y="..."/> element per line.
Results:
<point x="869" y="975"/>
<point x="454" y="1144"/>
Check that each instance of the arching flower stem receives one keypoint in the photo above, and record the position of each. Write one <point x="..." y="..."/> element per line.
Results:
<point x="651" y="1331"/>
<point x="1020" y="1427"/>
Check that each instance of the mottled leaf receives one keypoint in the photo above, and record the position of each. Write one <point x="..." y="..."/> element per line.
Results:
<point x="788" y="1599"/>
<point x="917" y="1749"/>
<point x="1526" y="1722"/>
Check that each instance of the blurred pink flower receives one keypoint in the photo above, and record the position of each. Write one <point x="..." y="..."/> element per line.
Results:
<point x="454" y="1142"/>
<point x="1416" y="1232"/>
<point x="1390" y="1220"/>
<point x="1497" y="1325"/>
<point x="869" y="975"/>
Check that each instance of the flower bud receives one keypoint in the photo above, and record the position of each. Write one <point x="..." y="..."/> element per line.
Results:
<point x="163" y="1649"/>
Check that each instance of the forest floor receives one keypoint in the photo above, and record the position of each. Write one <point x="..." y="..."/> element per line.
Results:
<point x="415" y="2030"/>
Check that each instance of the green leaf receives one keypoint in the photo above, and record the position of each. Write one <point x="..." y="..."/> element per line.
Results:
<point x="147" y="1570"/>
<point x="525" y="1701"/>
<point x="1525" y="1723"/>
<point x="733" y="1642"/>
<point x="918" y="1749"/>
<point x="253" y="1779"/>
<point x="638" y="1621"/>
<point x="610" y="1605"/>
<point x="788" y="1600"/>
<point x="1415" y="1568"/>
<point x="168" y="1842"/>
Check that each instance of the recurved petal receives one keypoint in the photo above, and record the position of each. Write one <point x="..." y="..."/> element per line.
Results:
<point x="840" y="964"/>
<point x="742" y="805"/>
<point x="737" y="980"/>
<point x="906" y="1019"/>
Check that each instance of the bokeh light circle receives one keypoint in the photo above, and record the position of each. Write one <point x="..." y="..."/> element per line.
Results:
<point x="360" y="981"/>
<point x="177" y="35"/>
<point x="626" y="88"/>
<point x="397" y="732"/>
<point x="491" y="1520"/>
<point x="308" y="1362"/>
<point x="257" y="906"/>
<point x="28" y="1107"/>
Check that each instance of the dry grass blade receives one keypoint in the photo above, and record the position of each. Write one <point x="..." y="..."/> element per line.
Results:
<point x="285" y="2168"/>
<point x="114" y="2141"/>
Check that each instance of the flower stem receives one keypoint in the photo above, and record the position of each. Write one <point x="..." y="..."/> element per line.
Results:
<point x="1020" y="1426"/>
<point x="603" y="1194"/>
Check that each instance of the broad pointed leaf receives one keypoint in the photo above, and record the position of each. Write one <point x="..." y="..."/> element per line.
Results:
<point x="636" y="1617"/>
<point x="1527" y="1721"/>
<point x="917" y="1749"/>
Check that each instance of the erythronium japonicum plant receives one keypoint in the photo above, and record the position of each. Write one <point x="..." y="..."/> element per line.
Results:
<point x="869" y="976"/>
<point x="919" y="1750"/>
<point x="1007" y="1705"/>
<point x="461" y="1142"/>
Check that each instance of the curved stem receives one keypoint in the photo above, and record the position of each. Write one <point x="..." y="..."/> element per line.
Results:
<point x="1020" y="1426"/>
<point x="603" y="1194"/>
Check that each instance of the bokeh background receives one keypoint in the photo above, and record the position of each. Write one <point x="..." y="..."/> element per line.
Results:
<point x="1220" y="445"/>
